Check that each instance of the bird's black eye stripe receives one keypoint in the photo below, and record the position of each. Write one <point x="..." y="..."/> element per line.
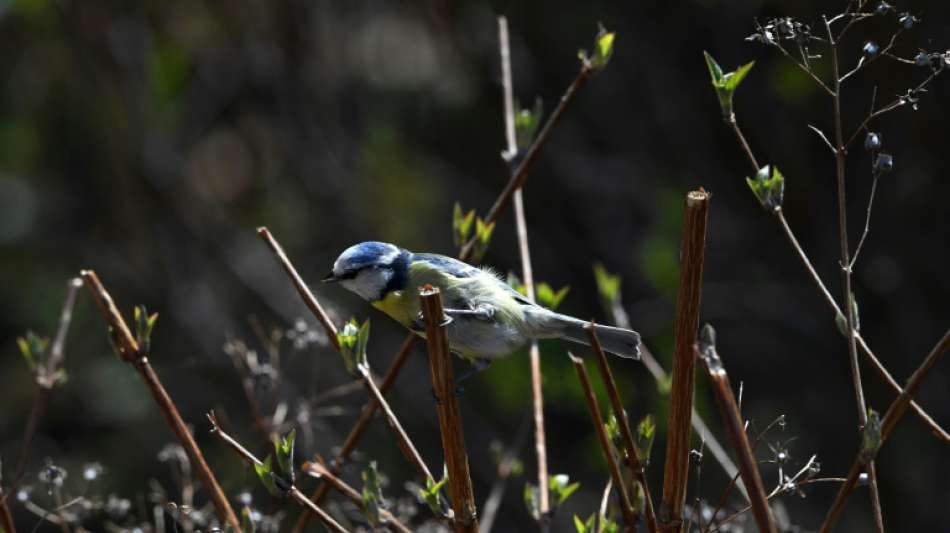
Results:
<point x="349" y="274"/>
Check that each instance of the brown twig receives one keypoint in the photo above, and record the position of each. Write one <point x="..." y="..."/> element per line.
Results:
<point x="405" y="443"/>
<point x="882" y="371"/>
<point x="520" y="175"/>
<point x="597" y="419"/>
<point x="527" y="272"/>
<point x="735" y="429"/>
<point x="633" y="457"/>
<point x="46" y="377"/>
<point x="450" y="418"/>
<point x="845" y="266"/>
<point x="676" y="471"/>
<point x="894" y="413"/>
<point x="293" y="491"/>
<point x="369" y="410"/>
<point x="320" y="471"/>
<point x="128" y="349"/>
<point x="6" y="517"/>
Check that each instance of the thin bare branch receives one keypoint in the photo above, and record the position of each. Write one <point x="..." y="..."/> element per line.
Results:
<point x="894" y="413"/>
<point x="823" y="137"/>
<point x="597" y="419"/>
<point x="128" y="349"/>
<point x="293" y="491"/>
<point x="321" y="471"/>
<point x="735" y="430"/>
<point x="805" y="69"/>
<point x="450" y="417"/>
<point x="867" y="222"/>
<point x="632" y="456"/>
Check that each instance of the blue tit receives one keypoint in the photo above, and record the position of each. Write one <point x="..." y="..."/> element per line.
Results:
<point x="489" y="318"/>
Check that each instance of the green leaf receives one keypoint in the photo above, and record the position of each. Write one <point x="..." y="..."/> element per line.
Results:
<point x="430" y="494"/>
<point x="461" y="224"/>
<point x="354" y="340"/>
<point x="732" y="80"/>
<point x="284" y="449"/>
<point x="531" y="501"/>
<point x="372" y="494"/>
<point x="715" y="71"/>
<point x="266" y="475"/>
<point x="527" y="122"/>
<point x="646" y="431"/>
<point x="603" y="48"/>
<point x="562" y="488"/>
<point x="612" y="426"/>
<point x="586" y="527"/>
<point x="768" y="186"/>
<point x="608" y="285"/>
<point x="33" y="349"/>
<point x="247" y="524"/>
<point x="546" y="296"/>
<point x="483" y="234"/>
<point x="609" y="526"/>
<point x="144" y="323"/>
<point x="516" y="284"/>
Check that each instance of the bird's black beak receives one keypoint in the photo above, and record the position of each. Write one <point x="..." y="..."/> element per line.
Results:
<point x="330" y="278"/>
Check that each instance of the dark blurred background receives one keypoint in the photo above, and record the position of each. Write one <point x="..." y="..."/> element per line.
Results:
<point x="148" y="141"/>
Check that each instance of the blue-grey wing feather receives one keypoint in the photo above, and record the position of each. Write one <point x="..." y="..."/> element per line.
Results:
<point x="461" y="269"/>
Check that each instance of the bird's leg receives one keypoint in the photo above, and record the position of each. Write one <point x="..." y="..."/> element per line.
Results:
<point x="481" y="312"/>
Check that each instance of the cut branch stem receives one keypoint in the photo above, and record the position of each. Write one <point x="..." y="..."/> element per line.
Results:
<point x="450" y="418"/>
<point x="676" y="471"/>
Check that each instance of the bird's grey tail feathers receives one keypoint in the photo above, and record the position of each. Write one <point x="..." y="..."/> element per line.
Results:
<point x="618" y="341"/>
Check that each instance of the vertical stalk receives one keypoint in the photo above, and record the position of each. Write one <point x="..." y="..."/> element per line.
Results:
<point x="450" y="418"/>
<point x="840" y="154"/>
<point x="735" y="431"/>
<point x="676" y="471"/>
<point x="527" y="273"/>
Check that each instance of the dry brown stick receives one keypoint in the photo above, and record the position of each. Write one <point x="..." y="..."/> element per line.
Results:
<point x="128" y="349"/>
<point x="894" y="413"/>
<point x="527" y="272"/>
<point x="292" y="491"/>
<point x="879" y="367"/>
<point x="450" y="418"/>
<point x="6" y="517"/>
<point x="633" y="457"/>
<point x="46" y="378"/>
<point x="735" y="429"/>
<point x="321" y="471"/>
<point x="629" y="515"/>
<point x="405" y="443"/>
<point x="676" y="470"/>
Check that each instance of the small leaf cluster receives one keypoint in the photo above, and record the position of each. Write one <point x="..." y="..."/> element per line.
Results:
<point x="726" y="83"/>
<point x="646" y="432"/>
<point x="462" y="228"/>
<point x="278" y="483"/>
<point x="544" y="294"/>
<point x="768" y="185"/>
<point x="603" y="51"/>
<point x="431" y="495"/>
<point x="560" y="489"/>
<point x="373" y="501"/>
<point x="871" y="437"/>
<point x="144" y="324"/>
<point x="595" y="524"/>
<point x="353" y="340"/>
<point x="36" y="353"/>
<point x="527" y="123"/>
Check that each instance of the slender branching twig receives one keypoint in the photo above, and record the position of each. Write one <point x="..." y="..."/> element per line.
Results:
<point x="47" y="377"/>
<point x="629" y="515"/>
<point x="735" y="429"/>
<point x="676" y="470"/>
<point x="369" y="410"/>
<point x="321" y="471"/>
<point x="894" y="413"/>
<point x="840" y="153"/>
<point x="291" y="491"/>
<point x="129" y="350"/>
<point x="633" y="457"/>
<point x="882" y="371"/>
<point x="534" y="354"/>
<point x="450" y="417"/>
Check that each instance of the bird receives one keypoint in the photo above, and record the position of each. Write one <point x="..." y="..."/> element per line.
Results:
<point x="489" y="318"/>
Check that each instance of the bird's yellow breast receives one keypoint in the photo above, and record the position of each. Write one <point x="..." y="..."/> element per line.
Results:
<point x="401" y="306"/>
